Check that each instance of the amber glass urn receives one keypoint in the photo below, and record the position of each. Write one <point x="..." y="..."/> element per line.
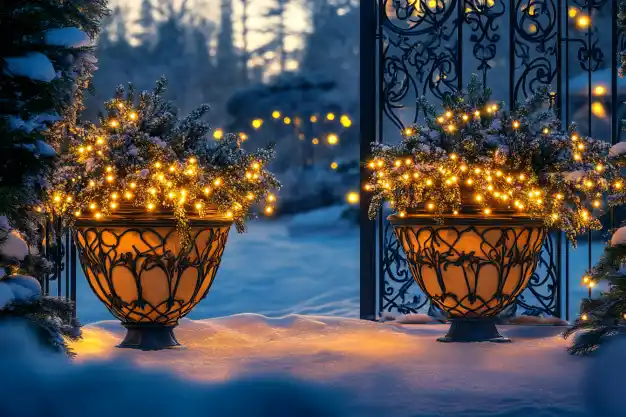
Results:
<point x="471" y="265"/>
<point x="136" y="264"/>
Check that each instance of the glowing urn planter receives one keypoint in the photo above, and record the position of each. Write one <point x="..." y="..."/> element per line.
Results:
<point x="136" y="265"/>
<point x="471" y="266"/>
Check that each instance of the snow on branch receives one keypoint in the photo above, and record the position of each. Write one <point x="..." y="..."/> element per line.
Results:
<point x="33" y="65"/>
<point x="70" y="37"/>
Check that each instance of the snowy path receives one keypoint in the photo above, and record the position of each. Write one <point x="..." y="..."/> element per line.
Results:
<point x="376" y="369"/>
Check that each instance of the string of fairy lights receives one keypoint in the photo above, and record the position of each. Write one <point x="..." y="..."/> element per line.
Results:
<point x="439" y="188"/>
<point x="103" y="172"/>
<point x="331" y="138"/>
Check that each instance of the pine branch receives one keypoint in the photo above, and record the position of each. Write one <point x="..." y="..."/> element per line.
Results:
<point x="53" y="319"/>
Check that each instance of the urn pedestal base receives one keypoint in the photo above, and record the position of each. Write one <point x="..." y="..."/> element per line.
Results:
<point x="473" y="330"/>
<point x="149" y="337"/>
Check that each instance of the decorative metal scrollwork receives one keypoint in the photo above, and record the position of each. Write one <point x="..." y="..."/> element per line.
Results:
<point x="472" y="270"/>
<point x="400" y="294"/>
<point x="142" y="274"/>
<point x="422" y="55"/>
<point x="543" y="286"/>
<point x="419" y="55"/>
<point x="482" y="16"/>
<point x="535" y="43"/>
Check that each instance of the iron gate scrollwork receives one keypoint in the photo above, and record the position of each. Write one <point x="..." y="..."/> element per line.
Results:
<point x="58" y="247"/>
<point x="429" y="47"/>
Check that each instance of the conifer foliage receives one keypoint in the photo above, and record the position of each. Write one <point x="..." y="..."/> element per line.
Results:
<point x="603" y="317"/>
<point x="46" y="63"/>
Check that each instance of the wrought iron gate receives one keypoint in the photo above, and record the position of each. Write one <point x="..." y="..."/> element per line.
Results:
<point x="413" y="48"/>
<point x="58" y="247"/>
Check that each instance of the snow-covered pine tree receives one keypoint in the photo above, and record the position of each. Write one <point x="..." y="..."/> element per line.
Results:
<point x="604" y="317"/>
<point x="45" y="66"/>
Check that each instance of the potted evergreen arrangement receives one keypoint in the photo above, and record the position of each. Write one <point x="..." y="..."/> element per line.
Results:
<point x="152" y="199"/>
<point x="475" y="190"/>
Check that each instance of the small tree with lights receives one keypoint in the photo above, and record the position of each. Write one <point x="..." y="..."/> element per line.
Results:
<point x="604" y="317"/>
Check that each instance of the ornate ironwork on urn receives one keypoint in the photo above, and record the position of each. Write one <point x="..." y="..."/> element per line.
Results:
<point x="471" y="266"/>
<point x="137" y="265"/>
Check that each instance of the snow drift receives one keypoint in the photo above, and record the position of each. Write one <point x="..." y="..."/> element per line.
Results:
<point x="344" y="367"/>
<point x="44" y="384"/>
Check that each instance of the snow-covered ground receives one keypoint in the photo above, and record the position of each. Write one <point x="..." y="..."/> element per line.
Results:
<point x="312" y="365"/>
<point x="367" y="369"/>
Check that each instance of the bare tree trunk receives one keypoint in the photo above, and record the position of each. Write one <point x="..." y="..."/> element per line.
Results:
<point x="282" y="32"/>
<point x="245" y="55"/>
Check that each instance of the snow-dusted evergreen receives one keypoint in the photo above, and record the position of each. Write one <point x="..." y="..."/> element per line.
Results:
<point x="142" y="153"/>
<point x="46" y="62"/>
<point x="522" y="159"/>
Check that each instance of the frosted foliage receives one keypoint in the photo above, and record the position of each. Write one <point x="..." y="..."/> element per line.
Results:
<point x="33" y="65"/>
<point x="619" y="237"/>
<point x="68" y="37"/>
<point x="38" y="122"/>
<point x="44" y="149"/>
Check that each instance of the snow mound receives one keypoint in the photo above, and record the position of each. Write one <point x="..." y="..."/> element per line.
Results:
<point x="618" y="149"/>
<point x="15" y="288"/>
<point x="249" y="320"/>
<point x="14" y="247"/>
<point x="411" y="318"/>
<point x="619" y="237"/>
<point x="41" y="383"/>
<point x="68" y="37"/>
<point x="370" y="366"/>
<point x="416" y="319"/>
<point x="33" y="65"/>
